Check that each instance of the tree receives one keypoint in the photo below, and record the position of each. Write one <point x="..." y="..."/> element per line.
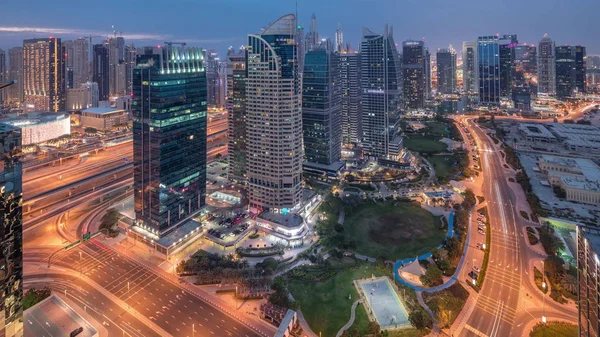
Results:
<point x="34" y="296"/>
<point x="420" y="319"/>
<point x="374" y="329"/>
<point x="553" y="266"/>
<point x="433" y="276"/>
<point x="470" y="199"/>
<point x="218" y="156"/>
<point x="90" y="130"/>
<point x="109" y="220"/>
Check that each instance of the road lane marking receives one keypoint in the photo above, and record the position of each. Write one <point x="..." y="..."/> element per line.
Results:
<point x="475" y="331"/>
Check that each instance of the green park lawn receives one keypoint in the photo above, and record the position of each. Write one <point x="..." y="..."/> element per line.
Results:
<point x="325" y="304"/>
<point x="443" y="166"/>
<point x="424" y="144"/>
<point x="438" y="129"/>
<point x="392" y="230"/>
<point x="554" y="329"/>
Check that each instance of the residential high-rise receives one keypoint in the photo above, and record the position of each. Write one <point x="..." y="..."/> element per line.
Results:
<point x="588" y="280"/>
<point x="446" y="70"/>
<point x="211" y="62"/>
<point x="77" y="58"/>
<point x="312" y="37"/>
<point x="44" y="74"/>
<point x="339" y="39"/>
<point x="415" y="67"/>
<point x="169" y="137"/>
<point x="15" y="73"/>
<point x="592" y="72"/>
<point x="580" y="69"/>
<point x="488" y="60"/>
<point x="100" y="71"/>
<point x="469" y="59"/>
<point x="84" y="97"/>
<point x="351" y="91"/>
<point x="565" y="71"/>
<point x="381" y="85"/>
<point x="130" y="56"/>
<point x="236" y="111"/>
<point x="3" y="76"/>
<point x="546" y="66"/>
<point x="11" y="236"/>
<point x="321" y="109"/>
<point x="506" y="57"/>
<point x="524" y="75"/>
<point x="274" y="118"/>
<point x="117" y="68"/>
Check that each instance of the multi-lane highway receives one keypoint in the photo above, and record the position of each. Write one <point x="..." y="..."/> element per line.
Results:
<point x="507" y="292"/>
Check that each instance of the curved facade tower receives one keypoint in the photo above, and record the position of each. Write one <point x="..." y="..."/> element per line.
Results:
<point x="274" y="118"/>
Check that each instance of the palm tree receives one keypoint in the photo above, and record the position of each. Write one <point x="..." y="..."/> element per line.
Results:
<point x="569" y="283"/>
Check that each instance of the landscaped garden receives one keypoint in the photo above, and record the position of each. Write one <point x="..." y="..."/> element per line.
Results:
<point x="392" y="230"/>
<point x="424" y="144"/>
<point x="554" y="329"/>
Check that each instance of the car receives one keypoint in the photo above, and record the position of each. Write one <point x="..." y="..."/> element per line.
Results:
<point x="480" y="232"/>
<point x="479" y="245"/>
<point x="473" y="275"/>
<point x="476" y="269"/>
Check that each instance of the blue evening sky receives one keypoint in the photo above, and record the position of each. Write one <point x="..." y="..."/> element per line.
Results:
<point x="218" y="24"/>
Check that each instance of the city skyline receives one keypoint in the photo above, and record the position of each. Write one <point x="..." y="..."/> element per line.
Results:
<point x="436" y="23"/>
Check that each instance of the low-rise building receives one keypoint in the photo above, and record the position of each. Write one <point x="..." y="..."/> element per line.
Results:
<point x="577" y="137"/>
<point x="578" y="177"/>
<point x="39" y="127"/>
<point x="103" y="119"/>
<point x="536" y="133"/>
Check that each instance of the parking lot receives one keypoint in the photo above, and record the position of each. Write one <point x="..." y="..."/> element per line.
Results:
<point x="227" y="230"/>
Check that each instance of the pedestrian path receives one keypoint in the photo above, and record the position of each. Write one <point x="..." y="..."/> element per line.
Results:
<point x="351" y="321"/>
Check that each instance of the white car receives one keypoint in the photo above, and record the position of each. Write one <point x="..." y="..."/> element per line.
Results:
<point x="476" y="269"/>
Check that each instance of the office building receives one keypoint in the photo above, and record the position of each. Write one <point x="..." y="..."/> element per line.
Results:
<point x="321" y="107"/>
<point x="506" y="57"/>
<point x="446" y="71"/>
<point x="565" y="71"/>
<point x="339" y="39"/>
<point x="592" y="73"/>
<point x="169" y="139"/>
<point x="524" y="76"/>
<point x="215" y="77"/>
<point x="3" y="76"/>
<point x="274" y="118"/>
<point x="488" y="60"/>
<point x="312" y="39"/>
<point x="415" y="65"/>
<point x="351" y="91"/>
<point x="84" y="97"/>
<point x="100" y="70"/>
<point x="11" y="223"/>
<point x="103" y="119"/>
<point x="236" y="112"/>
<point x="381" y="85"/>
<point x="580" y="69"/>
<point x="77" y="59"/>
<point x="588" y="280"/>
<point x="130" y="57"/>
<point x="117" y="70"/>
<point x="546" y="66"/>
<point x="469" y="59"/>
<point x="15" y="73"/>
<point x="44" y="74"/>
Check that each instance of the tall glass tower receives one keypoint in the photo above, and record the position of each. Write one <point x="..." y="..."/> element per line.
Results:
<point x="446" y="70"/>
<point x="488" y="55"/>
<point x="321" y="109"/>
<point x="274" y="118"/>
<point x="236" y="113"/>
<point x="546" y="65"/>
<point x="415" y="73"/>
<point x="469" y="58"/>
<point x="169" y="137"/>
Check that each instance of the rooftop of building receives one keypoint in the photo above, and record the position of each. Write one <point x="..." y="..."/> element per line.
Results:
<point x="289" y="220"/>
<point x="33" y="118"/>
<point x="180" y="234"/>
<point x="58" y="318"/>
<point x="581" y="183"/>
<point x="102" y="111"/>
<point x="588" y="168"/>
<point x="536" y="130"/>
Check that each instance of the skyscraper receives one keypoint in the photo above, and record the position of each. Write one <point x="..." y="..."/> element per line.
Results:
<point x="546" y="66"/>
<point x="524" y="75"/>
<point x="580" y="69"/>
<point x="588" y="280"/>
<point x="565" y="71"/>
<point x="469" y="59"/>
<point x="169" y="137"/>
<point x="380" y="81"/>
<point x="506" y="57"/>
<point x="212" y="64"/>
<point x="15" y="73"/>
<point x="274" y="118"/>
<point x="130" y="56"/>
<point x="351" y="91"/>
<point x="415" y="65"/>
<point x="236" y="111"/>
<point x="488" y="59"/>
<point x="446" y="71"/>
<point x="321" y="109"/>
<point x="11" y="235"/>
<point x="44" y="74"/>
<point x="312" y="37"/>
<point x="100" y="73"/>
<point x="117" y="69"/>
<point x="339" y="39"/>
<point x="77" y="57"/>
<point x="3" y="75"/>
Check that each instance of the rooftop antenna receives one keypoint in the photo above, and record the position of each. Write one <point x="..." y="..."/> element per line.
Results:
<point x="114" y="31"/>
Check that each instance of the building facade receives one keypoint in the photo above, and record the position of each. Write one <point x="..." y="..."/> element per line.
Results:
<point x="565" y="71"/>
<point x="415" y="65"/>
<point x="488" y="61"/>
<point x="236" y="112"/>
<point x="588" y="280"/>
<point x="546" y="66"/>
<point x="84" y="97"/>
<point x="103" y="119"/>
<point x="15" y="73"/>
<point x="169" y="137"/>
<point x="100" y="73"/>
<point x="506" y="56"/>
<point x="274" y="118"/>
<point x="11" y="236"/>
<point x="44" y="74"/>
<point x="349" y="66"/>
<point x="77" y="58"/>
<point x="321" y="106"/>
<point x="3" y="76"/>
<point x="381" y="91"/>
<point x="469" y="59"/>
<point x="446" y="71"/>
<point x="117" y="69"/>
<point x="524" y="76"/>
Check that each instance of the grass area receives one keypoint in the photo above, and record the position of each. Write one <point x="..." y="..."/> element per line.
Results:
<point x="443" y="166"/>
<point x="537" y="276"/>
<point x="554" y="329"/>
<point x="438" y="129"/>
<point x="447" y="304"/>
<point x="364" y="187"/>
<point x="392" y="230"/>
<point x="424" y="144"/>
<point x="325" y="304"/>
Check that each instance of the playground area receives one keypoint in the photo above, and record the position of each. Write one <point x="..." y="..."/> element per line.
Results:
<point x="382" y="303"/>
